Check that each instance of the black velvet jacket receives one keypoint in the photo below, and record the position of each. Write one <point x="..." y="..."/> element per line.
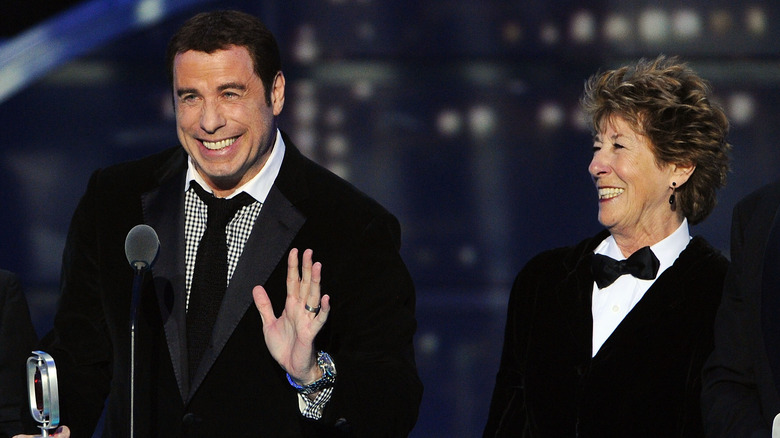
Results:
<point x="239" y="390"/>
<point x="644" y="381"/>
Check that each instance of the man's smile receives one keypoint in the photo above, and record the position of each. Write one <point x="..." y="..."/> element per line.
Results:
<point x="216" y="145"/>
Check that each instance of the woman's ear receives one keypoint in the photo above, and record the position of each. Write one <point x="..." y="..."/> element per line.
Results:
<point x="681" y="173"/>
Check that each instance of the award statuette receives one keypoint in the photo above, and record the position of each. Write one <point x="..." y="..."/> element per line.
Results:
<point x="43" y="392"/>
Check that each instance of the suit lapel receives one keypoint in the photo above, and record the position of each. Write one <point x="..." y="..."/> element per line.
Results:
<point x="575" y="294"/>
<point x="668" y="291"/>
<point x="276" y="226"/>
<point x="272" y="234"/>
<point x="652" y="306"/>
<point x="168" y="270"/>
<point x="575" y="298"/>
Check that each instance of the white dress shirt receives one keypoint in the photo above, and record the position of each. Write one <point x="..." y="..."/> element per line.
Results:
<point x="611" y="304"/>
<point x="260" y="185"/>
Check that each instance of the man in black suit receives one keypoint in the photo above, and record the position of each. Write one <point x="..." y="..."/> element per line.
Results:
<point x="342" y="365"/>
<point x="741" y="392"/>
<point x="17" y="340"/>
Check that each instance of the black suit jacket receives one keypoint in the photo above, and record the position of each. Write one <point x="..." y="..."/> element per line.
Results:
<point x="645" y="379"/>
<point x="741" y="397"/>
<point x="17" y="340"/>
<point x="239" y="390"/>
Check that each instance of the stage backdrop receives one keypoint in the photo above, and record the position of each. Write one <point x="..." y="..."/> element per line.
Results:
<point x="460" y="116"/>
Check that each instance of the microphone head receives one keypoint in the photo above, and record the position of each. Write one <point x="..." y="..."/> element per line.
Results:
<point x="141" y="247"/>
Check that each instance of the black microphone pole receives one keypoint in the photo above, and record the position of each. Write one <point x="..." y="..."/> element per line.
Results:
<point x="141" y="248"/>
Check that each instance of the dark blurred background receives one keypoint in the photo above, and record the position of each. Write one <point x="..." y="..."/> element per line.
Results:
<point x="460" y="116"/>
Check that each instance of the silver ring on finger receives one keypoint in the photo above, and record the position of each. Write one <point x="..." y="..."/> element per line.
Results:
<point x="311" y="309"/>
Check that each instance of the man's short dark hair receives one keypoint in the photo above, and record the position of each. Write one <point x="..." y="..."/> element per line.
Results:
<point x="219" y="30"/>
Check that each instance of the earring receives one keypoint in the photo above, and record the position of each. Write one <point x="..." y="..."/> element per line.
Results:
<point x="671" y="198"/>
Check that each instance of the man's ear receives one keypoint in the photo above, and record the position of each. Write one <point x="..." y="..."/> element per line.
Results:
<point x="277" y="93"/>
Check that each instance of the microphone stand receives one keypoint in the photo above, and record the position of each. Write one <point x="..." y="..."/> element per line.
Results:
<point x="138" y="276"/>
<point x="141" y="248"/>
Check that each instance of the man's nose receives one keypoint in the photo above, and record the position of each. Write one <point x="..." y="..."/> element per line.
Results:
<point x="211" y="118"/>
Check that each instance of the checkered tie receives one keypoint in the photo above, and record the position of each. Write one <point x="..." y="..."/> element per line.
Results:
<point x="209" y="280"/>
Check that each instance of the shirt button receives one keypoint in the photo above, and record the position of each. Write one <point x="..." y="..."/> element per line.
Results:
<point x="615" y="308"/>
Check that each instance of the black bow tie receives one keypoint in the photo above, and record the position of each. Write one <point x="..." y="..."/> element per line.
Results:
<point x="642" y="264"/>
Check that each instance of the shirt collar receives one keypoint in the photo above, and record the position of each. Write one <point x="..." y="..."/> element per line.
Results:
<point x="260" y="185"/>
<point x="667" y="250"/>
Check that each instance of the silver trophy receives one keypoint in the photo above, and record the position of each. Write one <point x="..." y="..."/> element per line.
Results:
<point x="43" y="392"/>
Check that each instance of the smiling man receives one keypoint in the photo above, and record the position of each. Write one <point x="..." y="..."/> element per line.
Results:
<point x="222" y="118"/>
<point x="278" y="305"/>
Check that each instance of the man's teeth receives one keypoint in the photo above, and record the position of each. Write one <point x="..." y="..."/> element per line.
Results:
<point x="609" y="192"/>
<point x="214" y="145"/>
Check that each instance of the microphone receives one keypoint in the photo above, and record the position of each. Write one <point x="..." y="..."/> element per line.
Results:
<point x="141" y="248"/>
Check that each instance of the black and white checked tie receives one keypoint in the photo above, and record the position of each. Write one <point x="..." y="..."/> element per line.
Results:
<point x="209" y="279"/>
